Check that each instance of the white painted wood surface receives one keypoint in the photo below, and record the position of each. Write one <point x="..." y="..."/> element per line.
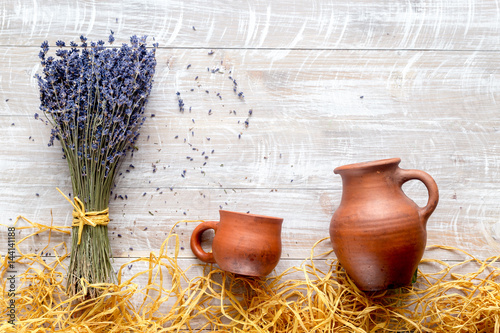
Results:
<point x="329" y="83"/>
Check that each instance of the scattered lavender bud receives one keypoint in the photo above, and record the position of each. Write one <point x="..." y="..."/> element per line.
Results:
<point x="111" y="38"/>
<point x="188" y="66"/>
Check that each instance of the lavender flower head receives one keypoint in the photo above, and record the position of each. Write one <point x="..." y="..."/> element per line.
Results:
<point x="95" y="98"/>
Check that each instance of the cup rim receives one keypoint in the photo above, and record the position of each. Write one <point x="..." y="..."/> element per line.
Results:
<point x="258" y="216"/>
<point x="368" y="164"/>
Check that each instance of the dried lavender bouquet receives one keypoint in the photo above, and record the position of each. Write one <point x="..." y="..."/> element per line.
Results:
<point x="94" y="97"/>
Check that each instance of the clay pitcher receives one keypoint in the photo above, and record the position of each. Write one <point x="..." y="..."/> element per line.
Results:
<point x="378" y="233"/>
<point x="246" y="244"/>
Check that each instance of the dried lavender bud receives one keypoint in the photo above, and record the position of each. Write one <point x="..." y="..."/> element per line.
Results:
<point x="111" y="38"/>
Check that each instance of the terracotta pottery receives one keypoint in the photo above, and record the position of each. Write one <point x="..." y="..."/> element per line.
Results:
<point x="245" y="244"/>
<point x="378" y="233"/>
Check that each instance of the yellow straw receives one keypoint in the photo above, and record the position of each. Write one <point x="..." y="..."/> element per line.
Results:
<point x="316" y="296"/>
<point x="81" y="217"/>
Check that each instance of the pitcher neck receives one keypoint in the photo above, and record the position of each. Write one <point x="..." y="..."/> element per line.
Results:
<point x="368" y="176"/>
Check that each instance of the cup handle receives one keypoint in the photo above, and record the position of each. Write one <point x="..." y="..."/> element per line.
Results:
<point x="196" y="241"/>
<point x="406" y="175"/>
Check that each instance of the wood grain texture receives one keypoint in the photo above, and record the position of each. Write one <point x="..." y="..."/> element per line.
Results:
<point x="328" y="83"/>
<point x="412" y="24"/>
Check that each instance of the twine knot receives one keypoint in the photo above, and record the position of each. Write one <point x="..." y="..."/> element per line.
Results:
<point x="82" y="217"/>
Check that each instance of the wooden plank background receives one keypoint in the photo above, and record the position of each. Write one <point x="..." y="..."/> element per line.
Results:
<point x="329" y="83"/>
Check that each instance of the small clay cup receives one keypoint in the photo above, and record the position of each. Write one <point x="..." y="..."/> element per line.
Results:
<point x="245" y="244"/>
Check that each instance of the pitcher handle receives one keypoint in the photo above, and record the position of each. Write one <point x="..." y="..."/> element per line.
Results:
<point x="196" y="241"/>
<point x="409" y="174"/>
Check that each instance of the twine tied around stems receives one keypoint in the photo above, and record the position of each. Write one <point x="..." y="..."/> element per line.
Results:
<point x="81" y="217"/>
